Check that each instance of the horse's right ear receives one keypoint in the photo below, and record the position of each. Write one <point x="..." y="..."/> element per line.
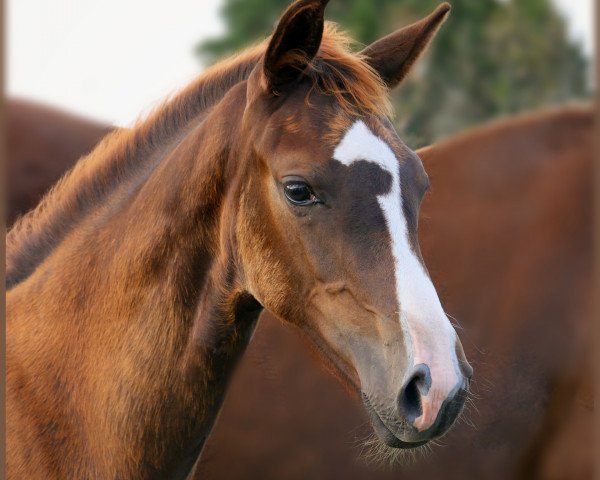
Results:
<point x="295" y="42"/>
<point x="393" y="56"/>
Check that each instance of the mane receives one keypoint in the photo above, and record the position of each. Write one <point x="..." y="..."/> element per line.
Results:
<point x="335" y="71"/>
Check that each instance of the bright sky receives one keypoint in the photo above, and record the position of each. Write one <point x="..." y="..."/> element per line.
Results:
<point x="114" y="59"/>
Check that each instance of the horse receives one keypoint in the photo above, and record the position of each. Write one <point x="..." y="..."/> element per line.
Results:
<point x="275" y="181"/>
<point x="46" y="142"/>
<point x="304" y="418"/>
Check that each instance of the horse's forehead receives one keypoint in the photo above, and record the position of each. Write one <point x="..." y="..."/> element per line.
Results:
<point x="312" y="132"/>
<point x="379" y="146"/>
<point x="376" y="142"/>
<point x="318" y="119"/>
<point x="302" y="138"/>
<point x="360" y="143"/>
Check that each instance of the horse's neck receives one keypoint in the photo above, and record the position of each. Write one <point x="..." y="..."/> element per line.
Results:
<point x="151" y="293"/>
<point x="124" y="155"/>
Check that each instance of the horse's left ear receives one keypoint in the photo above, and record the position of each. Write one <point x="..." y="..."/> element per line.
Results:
<point x="295" y="42"/>
<point x="393" y="55"/>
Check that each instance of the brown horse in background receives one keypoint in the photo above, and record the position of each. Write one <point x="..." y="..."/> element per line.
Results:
<point x="46" y="143"/>
<point x="284" y="418"/>
<point x="275" y="180"/>
<point x="529" y="266"/>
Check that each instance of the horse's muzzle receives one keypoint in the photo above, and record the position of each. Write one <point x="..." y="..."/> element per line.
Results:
<point x="421" y="414"/>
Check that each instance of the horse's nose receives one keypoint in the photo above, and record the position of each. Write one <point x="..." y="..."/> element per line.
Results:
<point x="432" y="407"/>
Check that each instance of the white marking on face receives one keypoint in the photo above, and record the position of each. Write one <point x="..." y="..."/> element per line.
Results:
<point x="429" y="336"/>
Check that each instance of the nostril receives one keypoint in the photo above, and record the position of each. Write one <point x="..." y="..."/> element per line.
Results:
<point x="418" y="384"/>
<point x="410" y="400"/>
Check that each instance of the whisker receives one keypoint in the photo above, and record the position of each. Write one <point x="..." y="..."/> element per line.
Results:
<point x="454" y="321"/>
<point x="374" y="453"/>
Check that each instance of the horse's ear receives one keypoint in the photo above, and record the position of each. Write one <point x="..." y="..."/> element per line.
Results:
<point x="393" y="55"/>
<point x="295" y="42"/>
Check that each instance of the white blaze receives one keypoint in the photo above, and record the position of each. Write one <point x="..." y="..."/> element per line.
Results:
<point x="429" y="336"/>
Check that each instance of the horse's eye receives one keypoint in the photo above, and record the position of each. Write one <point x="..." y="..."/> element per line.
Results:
<point x="299" y="193"/>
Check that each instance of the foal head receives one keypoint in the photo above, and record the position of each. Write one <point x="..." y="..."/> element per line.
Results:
<point x="326" y="227"/>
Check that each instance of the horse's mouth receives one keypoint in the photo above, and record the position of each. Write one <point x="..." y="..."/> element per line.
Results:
<point x="446" y="417"/>
<point x="385" y="434"/>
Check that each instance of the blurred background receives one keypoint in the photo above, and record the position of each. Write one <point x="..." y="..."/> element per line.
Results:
<point x="114" y="60"/>
<point x="505" y="230"/>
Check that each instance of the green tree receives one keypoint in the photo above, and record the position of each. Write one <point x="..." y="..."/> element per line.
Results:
<point x="492" y="57"/>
